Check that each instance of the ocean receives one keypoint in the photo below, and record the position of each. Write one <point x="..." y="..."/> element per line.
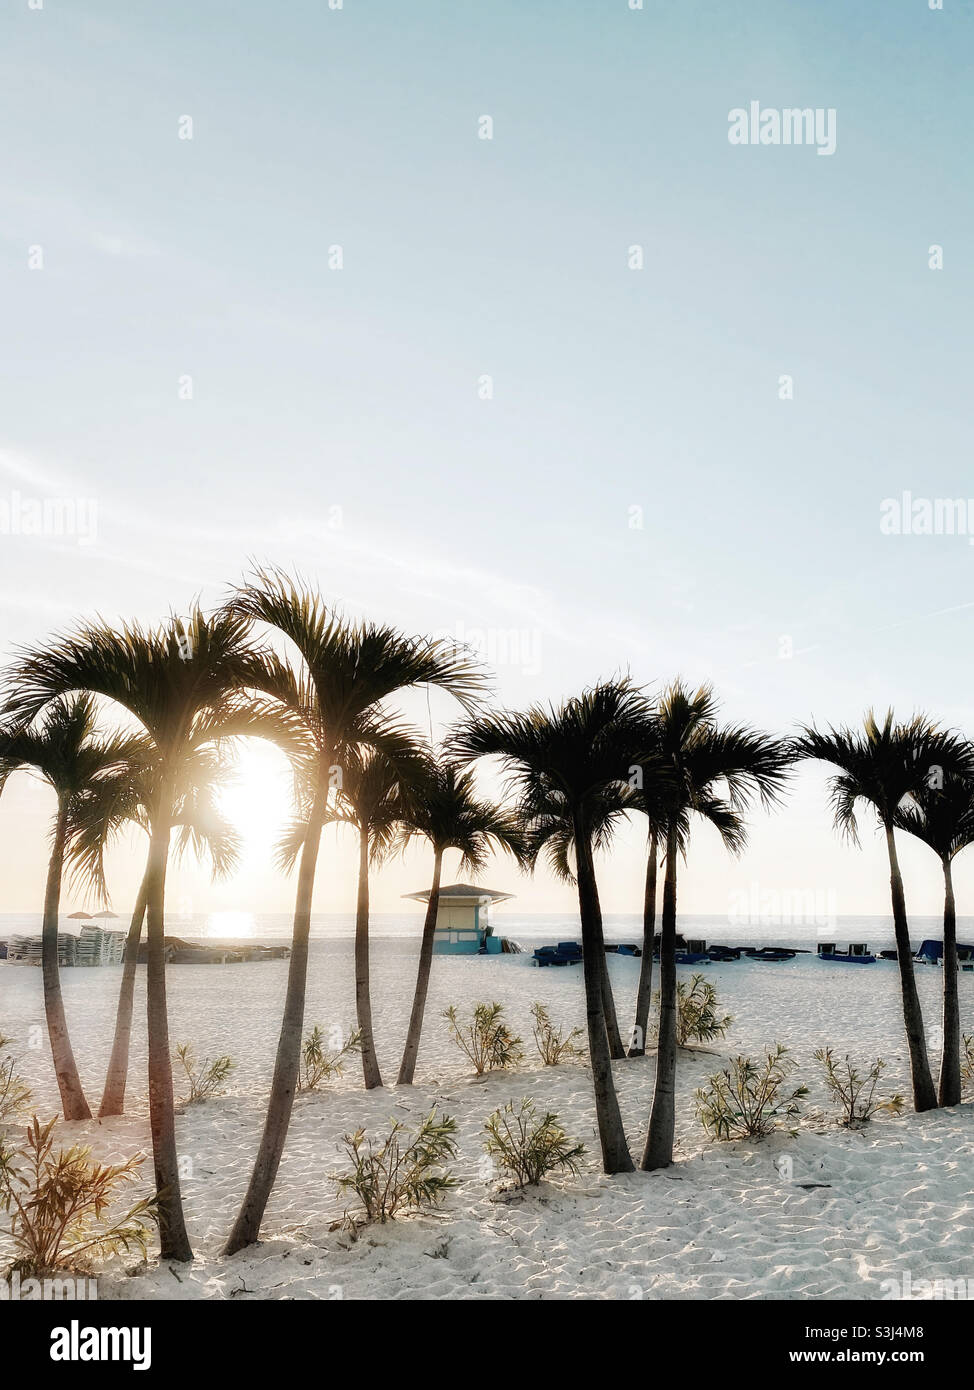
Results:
<point x="530" y="928"/>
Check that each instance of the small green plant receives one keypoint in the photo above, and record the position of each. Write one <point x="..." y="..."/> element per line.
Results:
<point x="207" y="1079"/>
<point x="58" y="1203"/>
<point x="967" y="1061"/>
<point x="400" y="1174"/>
<point x="486" y="1039"/>
<point x="15" y="1094"/>
<point x="528" y="1148"/>
<point x="698" y="1018"/>
<point x="748" y="1101"/>
<point x="552" y="1043"/>
<point x="854" y="1091"/>
<point x="319" y="1065"/>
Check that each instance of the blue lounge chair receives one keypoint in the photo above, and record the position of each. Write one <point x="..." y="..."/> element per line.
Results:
<point x="565" y="953"/>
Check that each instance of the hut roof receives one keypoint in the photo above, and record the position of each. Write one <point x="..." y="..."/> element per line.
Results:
<point x="462" y="892"/>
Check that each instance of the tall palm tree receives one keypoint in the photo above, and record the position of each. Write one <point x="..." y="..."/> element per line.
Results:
<point x="644" y="988"/>
<point x="553" y="832"/>
<point x="444" y="809"/>
<point x="369" y="800"/>
<point x="121" y="801"/>
<point x="63" y="749"/>
<point x="882" y="765"/>
<point x="180" y="681"/>
<point x="940" y="812"/>
<point x="712" y="772"/>
<point x="580" y="751"/>
<point x="647" y="796"/>
<point x="345" y="671"/>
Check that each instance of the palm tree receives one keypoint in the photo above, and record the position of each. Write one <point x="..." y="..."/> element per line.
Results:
<point x="644" y="989"/>
<point x="369" y="799"/>
<point x="345" y="671"/>
<point x="646" y="796"/>
<point x="883" y="765"/>
<point x="181" y="681"/>
<point x="121" y="801"/>
<point x="579" y="752"/>
<point x="64" y="750"/>
<point x="712" y="772"/>
<point x="444" y="809"/>
<point x="940" y="812"/>
<point x="553" y="832"/>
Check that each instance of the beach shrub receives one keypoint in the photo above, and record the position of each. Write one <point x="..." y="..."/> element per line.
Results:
<point x="698" y="1017"/>
<point x="967" y="1061"/>
<point x="487" y="1040"/>
<point x="206" y="1079"/>
<point x="318" y="1065"/>
<point x="15" y="1094"/>
<point x="528" y="1148"/>
<point x="748" y="1100"/>
<point x="854" y="1091"/>
<point x="58" y="1205"/>
<point x="400" y="1174"/>
<point x="553" y="1045"/>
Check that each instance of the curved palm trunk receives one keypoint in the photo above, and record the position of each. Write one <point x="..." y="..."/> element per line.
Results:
<point x="950" y="1087"/>
<point x="113" y="1097"/>
<point x="616" y="1049"/>
<point x="616" y="1157"/>
<point x="644" y="990"/>
<point x="924" y="1095"/>
<point x="246" y="1228"/>
<point x="363" y="998"/>
<point x="407" y="1067"/>
<point x="73" y="1103"/>
<point x="658" y="1152"/>
<point x="174" y="1242"/>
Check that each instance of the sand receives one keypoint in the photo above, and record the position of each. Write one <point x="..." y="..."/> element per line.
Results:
<point x="828" y="1214"/>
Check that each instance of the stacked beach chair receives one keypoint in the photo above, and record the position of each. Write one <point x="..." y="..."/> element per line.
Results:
<point x="25" y="948"/>
<point x="98" y="947"/>
<point x="67" y="949"/>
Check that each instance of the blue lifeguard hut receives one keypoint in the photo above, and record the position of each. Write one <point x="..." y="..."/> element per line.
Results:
<point x="462" y="919"/>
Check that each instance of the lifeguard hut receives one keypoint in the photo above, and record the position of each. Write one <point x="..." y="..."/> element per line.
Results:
<point x="462" y="919"/>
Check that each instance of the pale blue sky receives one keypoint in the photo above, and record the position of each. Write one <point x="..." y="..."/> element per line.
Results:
<point x="315" y="389"/>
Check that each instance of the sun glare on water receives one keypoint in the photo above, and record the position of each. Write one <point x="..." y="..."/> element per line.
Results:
<point x="230" y="926"/>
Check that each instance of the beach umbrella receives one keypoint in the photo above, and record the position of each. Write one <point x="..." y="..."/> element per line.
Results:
<point x="79" y="917"/>
<point x="105" y="913"/>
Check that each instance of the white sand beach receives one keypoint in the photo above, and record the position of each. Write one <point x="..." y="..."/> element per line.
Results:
<point x="828" y="1214"/>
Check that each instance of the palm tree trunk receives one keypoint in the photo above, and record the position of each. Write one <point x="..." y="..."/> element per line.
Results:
<point x="246" y="1228"/>
<point x="950" y="1057"/>
<point x="407" y="1067"/>
<point x="924" y="1095"/>
<point x="363" y="998"/>
<point x="73" y="1103"/>
<point x="113" y="1097"/>
<point x="616" y="1157"/>
<point x="616" y="1050"/>
<point x="173" y="1240"/>
<point x="658" y="1152"/>
<point x="644" y="990"/>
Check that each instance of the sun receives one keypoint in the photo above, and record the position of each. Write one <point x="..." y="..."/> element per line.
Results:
<point x="258" y="799"/>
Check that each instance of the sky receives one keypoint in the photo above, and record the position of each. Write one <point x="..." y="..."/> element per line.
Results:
<point x="270" y="295"/>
